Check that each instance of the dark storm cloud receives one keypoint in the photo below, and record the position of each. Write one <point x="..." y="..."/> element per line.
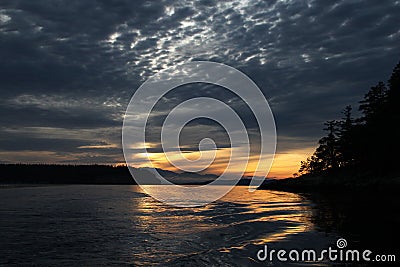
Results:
<point x="40" y="144"/>
<point x="36" y="117"/>
<point x="60" y="111"/>
<point x="58" y="46"/>
<point x="75" y="64"/>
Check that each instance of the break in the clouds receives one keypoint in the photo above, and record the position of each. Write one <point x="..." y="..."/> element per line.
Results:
<point x="69" y="68"/>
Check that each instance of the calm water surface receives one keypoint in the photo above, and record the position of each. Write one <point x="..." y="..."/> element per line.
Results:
<point x="87" y="225"/>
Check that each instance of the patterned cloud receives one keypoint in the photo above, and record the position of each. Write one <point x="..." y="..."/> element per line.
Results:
<point x="69" y="68"/>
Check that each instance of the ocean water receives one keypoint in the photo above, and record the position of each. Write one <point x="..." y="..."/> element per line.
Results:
<point x="89" y="225"/>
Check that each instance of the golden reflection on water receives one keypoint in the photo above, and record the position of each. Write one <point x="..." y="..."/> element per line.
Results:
<point x="274" y="207"/>
<point x="254" y="218"/>
<point x="165" y="219"/>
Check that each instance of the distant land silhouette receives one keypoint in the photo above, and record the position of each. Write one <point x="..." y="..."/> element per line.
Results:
<point x="87" y="174"/>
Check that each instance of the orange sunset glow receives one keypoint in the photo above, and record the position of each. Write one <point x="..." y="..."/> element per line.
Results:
<point x="283" y="166"/>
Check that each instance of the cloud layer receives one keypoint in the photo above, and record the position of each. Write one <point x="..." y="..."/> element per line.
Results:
<point x="69" y="68"/>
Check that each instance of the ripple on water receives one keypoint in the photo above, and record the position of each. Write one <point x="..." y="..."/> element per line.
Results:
<point x="105" y="225"/>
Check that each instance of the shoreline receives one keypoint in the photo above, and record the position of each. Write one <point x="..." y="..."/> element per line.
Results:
<point x="332" y="183"/>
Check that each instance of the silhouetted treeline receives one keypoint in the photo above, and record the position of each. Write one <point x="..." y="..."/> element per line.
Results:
<point x="64" y="174"/>
<point x="370" y="143"/>
<point x="88" y="174"/>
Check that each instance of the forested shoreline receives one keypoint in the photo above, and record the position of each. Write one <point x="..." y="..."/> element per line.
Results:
<point x="356" y="152"/>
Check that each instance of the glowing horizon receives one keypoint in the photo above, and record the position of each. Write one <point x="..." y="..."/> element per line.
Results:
<point x="284" y="164"/>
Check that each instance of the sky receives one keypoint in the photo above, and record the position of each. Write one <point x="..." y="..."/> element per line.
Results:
<point x="69" y="69"/>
